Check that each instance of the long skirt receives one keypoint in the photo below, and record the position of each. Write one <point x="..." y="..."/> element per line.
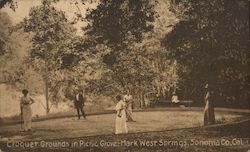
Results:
<point x="209" y="117"/>
<point x="27" y="115"/>
<point x="121" y="125"/>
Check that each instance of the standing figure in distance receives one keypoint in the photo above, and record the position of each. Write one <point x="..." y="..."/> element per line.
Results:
<point x="26" y="113"/>
<point x="209" y="117"/>
<point x="120" y="121"/>
<point x="79" y="104"/>
<point x="129" y="103"/>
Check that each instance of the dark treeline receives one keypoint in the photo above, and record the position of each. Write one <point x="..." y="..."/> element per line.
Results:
<point x="212" y="43"/>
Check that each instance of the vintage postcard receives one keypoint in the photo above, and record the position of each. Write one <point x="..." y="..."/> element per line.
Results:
<point x="124" y="76"/>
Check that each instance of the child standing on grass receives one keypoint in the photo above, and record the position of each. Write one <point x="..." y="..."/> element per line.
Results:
<point x="120" y="122"/>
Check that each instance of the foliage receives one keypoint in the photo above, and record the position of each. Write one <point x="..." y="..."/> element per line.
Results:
<point x="211" y="41"/>
<point x="136" y="60"/>
<point x="11" y="3"/>
<point x="113" y="21"/>
<point x="5" y="25"/>
<point x="52" y="37"/>
<point x="12" y="61"/>
<point x="107" y="26"/>
<point x="52" y="34"/>
<point x="63" y="58"/>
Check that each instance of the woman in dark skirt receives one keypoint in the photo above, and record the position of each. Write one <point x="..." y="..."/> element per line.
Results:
<point x="209" y="117"/>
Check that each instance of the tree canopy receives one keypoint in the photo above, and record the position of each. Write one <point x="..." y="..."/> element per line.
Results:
<point x="136" y="59"/>
<point x="112" y="22"/>
<point x="11" y="3"/>
<point x="146" y="46"/>
<point x="211" y="41"/>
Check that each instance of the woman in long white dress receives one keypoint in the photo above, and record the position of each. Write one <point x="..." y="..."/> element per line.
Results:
<point x="26" y="112"/>
<point x="120" y="122"/>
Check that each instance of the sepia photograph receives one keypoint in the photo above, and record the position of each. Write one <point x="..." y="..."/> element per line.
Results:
<point x="124" y="76"/>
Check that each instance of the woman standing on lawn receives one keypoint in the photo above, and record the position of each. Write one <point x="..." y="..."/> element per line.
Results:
<point x="209" y="117"/>
<point x="26" y="112"/>
<point x="120" y="122"/>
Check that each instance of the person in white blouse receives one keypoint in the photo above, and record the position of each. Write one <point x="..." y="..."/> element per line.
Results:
<point x="26" y="113"/>
<point x="120" y="121"/>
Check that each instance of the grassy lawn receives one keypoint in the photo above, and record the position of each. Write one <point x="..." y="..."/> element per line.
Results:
<point x="158" y="130"/>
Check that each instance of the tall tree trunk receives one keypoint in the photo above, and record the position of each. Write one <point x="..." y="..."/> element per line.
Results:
<point x="49" y="48"/>
<point x="47" y="95"/>
<point x="46" y="87"/>
<point x="141" y="95"/>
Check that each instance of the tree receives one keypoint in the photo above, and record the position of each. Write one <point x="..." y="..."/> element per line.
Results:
<point x="211" y="42"/>
<point x="10" y="68"/>
<point x="118" y="26"/>
<point x="52" y="37"/>
<point x="11" y="3"/>
<point x="113" y="21"/>
<point x="5" y="26"/>
<point x="136" y="59"/>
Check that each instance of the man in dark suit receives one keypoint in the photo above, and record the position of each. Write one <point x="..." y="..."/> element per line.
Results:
<point x="79" y="103"/>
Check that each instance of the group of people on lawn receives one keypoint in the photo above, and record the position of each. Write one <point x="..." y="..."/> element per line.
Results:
<point x="123" y="109"/>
